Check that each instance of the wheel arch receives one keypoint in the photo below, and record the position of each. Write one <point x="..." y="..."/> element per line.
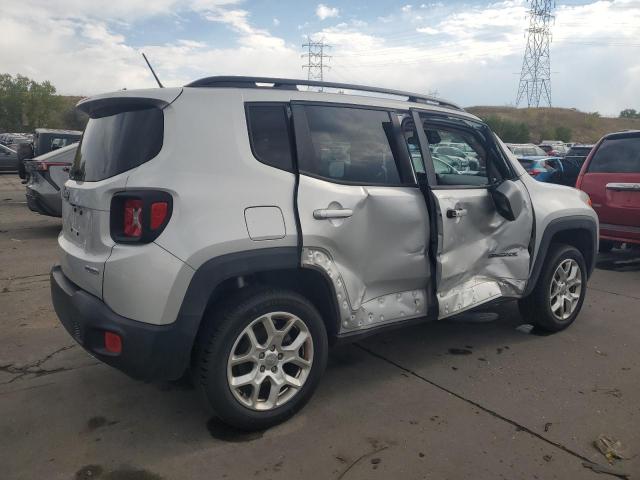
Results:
<point x="579" y="231"/>
<point x="280" y="267"/>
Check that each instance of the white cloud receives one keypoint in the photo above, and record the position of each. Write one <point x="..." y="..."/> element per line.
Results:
<point x="407" y="8"/>
<point x="468" y="53"/>
<point x="428" y="30"/>
<point x="276" y="22"/>
<point x="323" y="11"/>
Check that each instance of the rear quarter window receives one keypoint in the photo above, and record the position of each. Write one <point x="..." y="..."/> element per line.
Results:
<point x="617" y="155"/>
<point x="268" y="126"/>
<point x="116" y="143"/>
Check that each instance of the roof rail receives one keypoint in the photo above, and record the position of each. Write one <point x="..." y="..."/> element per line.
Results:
<point x="292" y="84"/>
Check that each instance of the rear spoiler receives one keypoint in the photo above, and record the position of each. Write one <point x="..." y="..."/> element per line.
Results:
<point x="106" y="105"/>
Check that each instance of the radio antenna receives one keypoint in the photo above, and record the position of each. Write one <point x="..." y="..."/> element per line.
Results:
<point x="152" y="71"/>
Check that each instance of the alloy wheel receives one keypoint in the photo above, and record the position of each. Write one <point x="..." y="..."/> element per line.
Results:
<point x="565" y="289"/>
<point x="270" y="361"/>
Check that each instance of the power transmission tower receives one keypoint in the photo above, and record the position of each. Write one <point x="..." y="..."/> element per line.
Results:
<point x="535" y="77"/>
<point x="315" y="59"/>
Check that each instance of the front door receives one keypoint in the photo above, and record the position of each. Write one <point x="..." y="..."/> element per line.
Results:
<point x="480" y="254"/>
<point x="363" y="219"/>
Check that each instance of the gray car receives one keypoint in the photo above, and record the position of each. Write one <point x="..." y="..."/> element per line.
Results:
<point x="46" y="174"/>
<point x="8" y="159"/>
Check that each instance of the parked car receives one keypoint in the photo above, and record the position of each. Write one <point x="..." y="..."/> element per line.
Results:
<point x="527" y="150"/>
<point x="45" y="140"/>
<point x="8" y="159"/>
<point x="544" y="169"/>
<point x="537" y="164"/>
<point x="200" y="235"/>
<point x="554" y="149"/>
<point x="572" y="163"/>
<point x="46" y="174"/>
<point x="611" y="177"/>
<point x="457" y="158"/>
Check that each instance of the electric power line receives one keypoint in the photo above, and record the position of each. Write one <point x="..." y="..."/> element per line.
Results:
<point x="315" y="59"/>
<point x="535" y="76"/>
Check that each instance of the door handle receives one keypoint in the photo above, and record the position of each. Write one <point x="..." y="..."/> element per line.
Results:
<point x="456" y="212"/>
<point x="624" y="187"/>
<point x="332" y="213"/>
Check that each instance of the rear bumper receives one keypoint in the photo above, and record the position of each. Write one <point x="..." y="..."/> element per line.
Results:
<point x="149" y="352"/>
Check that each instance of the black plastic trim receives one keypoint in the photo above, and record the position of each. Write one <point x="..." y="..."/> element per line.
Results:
<point x="149" y="352"/>
<point x="573" y="222"/>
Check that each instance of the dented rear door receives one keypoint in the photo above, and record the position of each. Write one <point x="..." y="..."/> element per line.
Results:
<point x="363" y="220"/>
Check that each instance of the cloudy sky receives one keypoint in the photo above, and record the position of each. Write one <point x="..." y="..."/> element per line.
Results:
<point x="469" y="52"/>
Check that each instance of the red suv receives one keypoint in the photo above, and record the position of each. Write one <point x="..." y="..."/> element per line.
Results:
<point x="611" y="177"/>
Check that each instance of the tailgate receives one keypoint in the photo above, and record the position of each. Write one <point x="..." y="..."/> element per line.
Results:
<point x="85" y="241"/>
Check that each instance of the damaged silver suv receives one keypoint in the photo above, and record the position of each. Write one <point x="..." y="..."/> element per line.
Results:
<point x="236" y="227"/>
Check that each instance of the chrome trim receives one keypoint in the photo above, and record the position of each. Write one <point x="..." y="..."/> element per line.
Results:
<point x="624" y="187"/>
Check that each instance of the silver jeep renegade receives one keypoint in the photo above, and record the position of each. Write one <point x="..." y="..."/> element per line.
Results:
<point x="234" y="228"/>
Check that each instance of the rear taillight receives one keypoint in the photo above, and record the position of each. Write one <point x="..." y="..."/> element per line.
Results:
<point x="536" y="171"/>
<point x="132" y="218"/>
<point x="139" y="216"/>
<point x="158" y="214"/>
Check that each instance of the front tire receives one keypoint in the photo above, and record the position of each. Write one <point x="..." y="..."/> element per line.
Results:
<point x="559" y="293"/>
<point x="261" y="357"/>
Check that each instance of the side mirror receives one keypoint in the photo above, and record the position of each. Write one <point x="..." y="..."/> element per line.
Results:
<point x="508" y="199"/>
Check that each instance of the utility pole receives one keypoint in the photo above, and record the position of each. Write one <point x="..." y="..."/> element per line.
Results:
<point x="535" y="77"/>
<point x="315" y="59"/>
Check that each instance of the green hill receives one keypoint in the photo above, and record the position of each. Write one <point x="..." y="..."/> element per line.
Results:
<point x="543" y="123"/>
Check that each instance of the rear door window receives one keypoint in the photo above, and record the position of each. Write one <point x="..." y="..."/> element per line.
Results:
<point x="269" y="135"/>
<point x="116" y="143"/>
<point x="353" y="145"/>
<point x="617" y="155"/>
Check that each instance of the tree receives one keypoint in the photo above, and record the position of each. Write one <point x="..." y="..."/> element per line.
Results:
<point x="563" y="133"/>
<point x="508" y="131"/>
<point x="26" y="104"/>
<point x="629" y="113"/>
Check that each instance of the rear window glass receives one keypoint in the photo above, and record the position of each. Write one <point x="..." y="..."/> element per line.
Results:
<point x="117" y="143"/>
<point x="617" y="155"/>
<point x="269" y="135"/>
<point x="579" y="151"/>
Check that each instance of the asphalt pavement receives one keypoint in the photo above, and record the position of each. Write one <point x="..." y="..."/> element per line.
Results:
<point x="479" y="396"/>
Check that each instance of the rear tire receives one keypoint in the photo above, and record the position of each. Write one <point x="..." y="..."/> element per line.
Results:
<point x="559" y="293"/>
<point x="253" y="381"/>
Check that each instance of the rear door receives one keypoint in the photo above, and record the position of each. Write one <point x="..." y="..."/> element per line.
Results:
<point x="480" y="255"/>
<point x="612" y="179"/>
<point x="363" y="219"/>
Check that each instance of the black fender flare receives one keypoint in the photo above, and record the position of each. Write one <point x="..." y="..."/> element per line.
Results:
<point x="218" y="269"/>
<point x="572" y="222"/>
